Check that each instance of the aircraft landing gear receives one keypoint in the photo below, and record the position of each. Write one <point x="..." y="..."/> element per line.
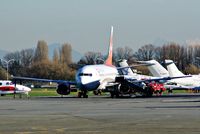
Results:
<point x="82" y="93"/>
<point x="114" y="94"/>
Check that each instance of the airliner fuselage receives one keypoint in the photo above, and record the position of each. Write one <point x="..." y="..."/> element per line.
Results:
<point x="92" y="77"/>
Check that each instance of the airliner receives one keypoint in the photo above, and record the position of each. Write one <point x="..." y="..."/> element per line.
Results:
<point x="7" y="87"/>
<point x="89" y="77"/>
<point x="94" y="77"/>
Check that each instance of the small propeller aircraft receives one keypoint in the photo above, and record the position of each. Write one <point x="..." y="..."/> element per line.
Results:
<point x="7" y="87"/>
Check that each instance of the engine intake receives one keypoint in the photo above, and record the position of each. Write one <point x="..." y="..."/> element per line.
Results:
<point x="63" y="89"/>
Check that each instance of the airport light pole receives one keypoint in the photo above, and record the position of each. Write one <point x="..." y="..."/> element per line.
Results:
<point x="7" y="64"/>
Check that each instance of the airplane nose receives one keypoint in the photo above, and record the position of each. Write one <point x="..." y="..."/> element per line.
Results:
<point x="89" y="86"/>
<point x="28" y="89"/>
<point x="23" y="88"/>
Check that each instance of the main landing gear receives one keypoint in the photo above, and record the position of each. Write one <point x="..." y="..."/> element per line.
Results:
<point x="82" y="94"/>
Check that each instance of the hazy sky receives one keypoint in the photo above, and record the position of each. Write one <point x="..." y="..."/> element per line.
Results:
<point x="86" y="23"/>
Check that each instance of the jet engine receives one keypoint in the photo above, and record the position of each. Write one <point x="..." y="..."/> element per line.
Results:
<point x="63" y="89"/>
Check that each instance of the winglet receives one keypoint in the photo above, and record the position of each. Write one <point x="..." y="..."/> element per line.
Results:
<point x="109" y="58"/>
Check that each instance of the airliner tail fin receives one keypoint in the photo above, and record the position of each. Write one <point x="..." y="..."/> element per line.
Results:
<point x="156" y="69"/>
<point x="172" y="69"/>
<point x="110" y="52"/>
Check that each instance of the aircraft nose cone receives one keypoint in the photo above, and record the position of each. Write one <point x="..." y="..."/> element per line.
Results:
<point x="89" y="86"/>
<point x="28" y="89"/>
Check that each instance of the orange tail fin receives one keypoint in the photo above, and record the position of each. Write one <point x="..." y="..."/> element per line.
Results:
<point x="110" y="53"/>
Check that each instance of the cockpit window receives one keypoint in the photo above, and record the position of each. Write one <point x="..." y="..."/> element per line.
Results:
<point x="7" y="83"/>
<point x="85" y="74"/>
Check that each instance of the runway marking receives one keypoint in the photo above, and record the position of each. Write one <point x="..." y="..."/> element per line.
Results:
<point x="173" y="107"/>
<point x="182" y="100"/>
<point x="10" y="109"/>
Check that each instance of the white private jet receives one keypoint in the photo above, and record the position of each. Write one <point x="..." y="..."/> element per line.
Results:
<point x="94" y="77"/>
<point x="158" y="70"/>
<point x="7" y="87"/>
<point x="157" y="85"/>
<point x="192" y="82"/>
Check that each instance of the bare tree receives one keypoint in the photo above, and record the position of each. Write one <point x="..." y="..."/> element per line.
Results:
<point x="145" y="52"/>
<point x="91" y="58"/>
<point x="26" y="57"/>
<point x="124" y="53"/>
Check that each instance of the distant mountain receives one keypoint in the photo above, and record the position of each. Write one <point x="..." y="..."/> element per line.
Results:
<point x="3" y="53"/>
<point x="76" y="56"/>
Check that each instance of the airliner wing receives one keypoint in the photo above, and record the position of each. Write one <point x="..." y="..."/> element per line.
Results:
<point x="43" y="80"/>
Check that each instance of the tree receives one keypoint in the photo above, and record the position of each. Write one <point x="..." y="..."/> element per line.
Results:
<point x="91" y="58"/>
<point x="14" y="67"/>
<point x="41" y="52"/>
<point x="55" y="57"/>
<point x="26" y="57"/>
<point x="22" y="61"/>
<point x="14" y="55"/>
<point x="145" y="52"/>
<point x="192" y="69"/>
<point x="66" y="54"/>
<point x="3" y="74"/>
<point x="124" y="53"/>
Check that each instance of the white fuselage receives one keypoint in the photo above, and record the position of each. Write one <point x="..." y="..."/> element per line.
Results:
<point x="172" y="71"/>
<point x="7" y="87"/>
<point x="193" y="81"/>
<point x="92" y="77"/>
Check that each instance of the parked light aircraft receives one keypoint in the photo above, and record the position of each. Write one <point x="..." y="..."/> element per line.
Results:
<point x="158" y="70"/>
<point x="7" y="87"/>
<point x="157" y="87"/>
<point x="128" y="72"/>
<point x="94" y="77"/>
<point x="192" y="82"/>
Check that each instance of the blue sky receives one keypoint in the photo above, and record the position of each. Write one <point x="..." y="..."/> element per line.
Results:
<point x="86" y="23"/>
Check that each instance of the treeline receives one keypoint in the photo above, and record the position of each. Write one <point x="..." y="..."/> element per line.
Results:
<point x="187" y="58"/>
<point x="36" y="63"/>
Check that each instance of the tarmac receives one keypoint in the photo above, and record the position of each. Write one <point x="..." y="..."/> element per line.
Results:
<point x="169" y="114"/>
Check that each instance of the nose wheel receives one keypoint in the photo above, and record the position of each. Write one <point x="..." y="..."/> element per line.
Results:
<point x="82" y="94"/>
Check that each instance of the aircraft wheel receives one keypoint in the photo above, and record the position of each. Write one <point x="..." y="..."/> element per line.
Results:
<point x="95" y="92"/>
<point x="79" y="94"/>
<point x="85" y="96"/>
<point x="112" y="94"/>
<point x="117" y="95"/>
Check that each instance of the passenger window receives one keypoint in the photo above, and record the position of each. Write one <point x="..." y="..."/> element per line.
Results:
<point x="7" y="83"/>
<point x="0" y="83"/>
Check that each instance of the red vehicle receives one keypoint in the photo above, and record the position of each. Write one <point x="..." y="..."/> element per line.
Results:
<point x="157" y="88"/>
